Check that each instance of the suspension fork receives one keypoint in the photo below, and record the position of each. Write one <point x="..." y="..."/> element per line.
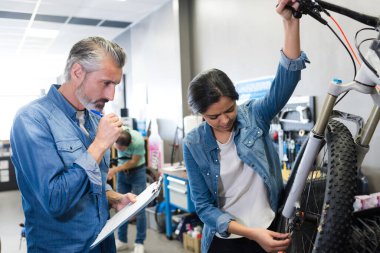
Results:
<point x="316" y="140"/>
<point x="365" y="135"/>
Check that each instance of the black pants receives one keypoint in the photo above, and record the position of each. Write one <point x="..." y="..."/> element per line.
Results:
<point x="241" y="245"/>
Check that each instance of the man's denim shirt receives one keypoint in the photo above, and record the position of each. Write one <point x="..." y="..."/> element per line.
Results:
<point x="62" y="186"/>
<point x="254" y="147"/>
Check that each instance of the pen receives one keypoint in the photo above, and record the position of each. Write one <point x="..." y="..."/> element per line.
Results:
<point x="97" y="113"/>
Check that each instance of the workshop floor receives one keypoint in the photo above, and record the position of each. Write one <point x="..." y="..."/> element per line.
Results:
<point x="11" y="215"/>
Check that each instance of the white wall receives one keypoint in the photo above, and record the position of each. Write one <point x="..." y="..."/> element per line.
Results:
<point x="22" y="79"/>
<point x="243" y="38"/>
<point x="154" y="71"/>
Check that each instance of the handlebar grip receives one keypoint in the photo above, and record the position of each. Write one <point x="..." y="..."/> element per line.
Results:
<point x="362" y="18"/>
<point x="296" y="14"/>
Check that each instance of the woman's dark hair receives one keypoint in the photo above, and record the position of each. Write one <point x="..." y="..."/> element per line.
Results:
<point x="207" y="88"/>
<point x="124" y="139"/>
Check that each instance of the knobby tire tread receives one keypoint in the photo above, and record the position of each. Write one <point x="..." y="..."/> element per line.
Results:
<point x="335" y="225"/>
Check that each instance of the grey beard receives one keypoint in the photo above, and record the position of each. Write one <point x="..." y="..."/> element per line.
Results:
<point x="83" y="100"/>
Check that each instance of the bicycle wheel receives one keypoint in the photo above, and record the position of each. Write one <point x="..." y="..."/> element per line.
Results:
<point x="323" y="220"/>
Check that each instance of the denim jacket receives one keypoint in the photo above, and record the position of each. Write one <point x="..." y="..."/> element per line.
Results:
<point x="62" y="186"/>
<point x="254" y="147"/>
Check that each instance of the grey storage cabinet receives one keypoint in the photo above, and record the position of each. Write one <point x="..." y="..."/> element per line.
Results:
<point x="7" y="171"/>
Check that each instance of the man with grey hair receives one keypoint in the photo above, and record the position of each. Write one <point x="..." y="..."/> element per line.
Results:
<point x="60" y="146"/>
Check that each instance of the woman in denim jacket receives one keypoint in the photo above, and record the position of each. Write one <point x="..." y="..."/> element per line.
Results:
<point x="233" y="168"/>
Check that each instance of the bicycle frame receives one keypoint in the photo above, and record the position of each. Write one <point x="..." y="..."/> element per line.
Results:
<point x="365" y="83"/>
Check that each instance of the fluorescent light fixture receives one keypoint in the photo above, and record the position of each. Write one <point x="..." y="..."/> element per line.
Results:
<point x="42" y="33"/>
<point x="29" y="26"/>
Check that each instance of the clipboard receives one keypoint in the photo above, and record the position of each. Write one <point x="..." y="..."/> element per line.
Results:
<point x="130" y="210"/>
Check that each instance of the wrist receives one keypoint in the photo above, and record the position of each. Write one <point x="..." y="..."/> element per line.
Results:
<point x="99" y="145"/>
<point x="239" y="229"/>
<point x="254" y="233"/>
<point x="115" y="170"/>
<point x="291" y="25"/>
<point x="96" y="151"/>
<point x="113" y="197"/>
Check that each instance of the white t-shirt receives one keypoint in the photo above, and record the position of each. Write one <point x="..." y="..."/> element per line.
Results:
<point x="242" y="192"/>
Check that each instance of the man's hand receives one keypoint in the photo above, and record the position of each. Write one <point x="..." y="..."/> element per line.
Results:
<point x="111" y="173"/>
<point x="109" y="129"/>
<point x="118" y="200"/>
<point x="270" y="241"/>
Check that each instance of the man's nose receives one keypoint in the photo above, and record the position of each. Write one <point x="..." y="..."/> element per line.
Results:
<point x="109" y="92"/>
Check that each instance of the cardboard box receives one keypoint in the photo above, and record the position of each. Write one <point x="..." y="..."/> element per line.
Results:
<point x="191" y="244"/>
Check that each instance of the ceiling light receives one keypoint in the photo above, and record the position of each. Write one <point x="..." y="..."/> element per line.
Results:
<point x="29" y="26"/>
<point x="42" y="33"/>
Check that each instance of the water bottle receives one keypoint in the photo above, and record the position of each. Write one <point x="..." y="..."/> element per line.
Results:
<point x="155" y="148"/>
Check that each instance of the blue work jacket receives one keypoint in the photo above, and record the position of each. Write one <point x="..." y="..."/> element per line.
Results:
<point x="63" y="189"/>
<point x="254" y="147"/>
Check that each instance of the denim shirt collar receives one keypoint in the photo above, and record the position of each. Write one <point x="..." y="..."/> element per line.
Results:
<point x="90" y="119"/>
<point x="60" y="101"/>
<point x="210" y="141"/>
<point x="241" y="121"/>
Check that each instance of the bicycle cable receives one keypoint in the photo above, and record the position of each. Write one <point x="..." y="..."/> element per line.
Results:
<point x="358" y="48"/>
<point x="345" y="38"/>
<point x="341" y="97"/>
<point x="342" y="42"/>
<point x="361" y="56"/>
<point x="344" y="45"/>
<point x="314" y="9"/>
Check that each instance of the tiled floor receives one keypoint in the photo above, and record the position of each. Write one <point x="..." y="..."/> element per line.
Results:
<point x="11" y="215"/>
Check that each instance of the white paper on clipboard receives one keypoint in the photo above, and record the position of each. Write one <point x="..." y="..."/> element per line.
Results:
<point x="126" y="213"/>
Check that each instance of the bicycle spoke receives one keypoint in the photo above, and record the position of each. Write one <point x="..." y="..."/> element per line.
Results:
<point x="306" y="241"/>
<point x="311" y="243"/>
<point x="316" y="204"/>
<point x="303" y="245"/>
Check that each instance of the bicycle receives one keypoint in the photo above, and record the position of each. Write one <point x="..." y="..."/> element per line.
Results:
<point x="318" y="202"/>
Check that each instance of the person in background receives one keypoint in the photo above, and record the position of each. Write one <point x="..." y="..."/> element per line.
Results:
<point x="61" y="153"/>
<point x="232" y="166"/>
<point x="131" y="177"/>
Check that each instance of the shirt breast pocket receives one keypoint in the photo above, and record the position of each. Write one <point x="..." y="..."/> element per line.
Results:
<point x="251" y="138"/>
<point x="69" y="150"/>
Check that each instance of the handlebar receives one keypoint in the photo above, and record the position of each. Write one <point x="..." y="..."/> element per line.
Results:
<point x="315" y="7"/>
<point x="362" y="18"/>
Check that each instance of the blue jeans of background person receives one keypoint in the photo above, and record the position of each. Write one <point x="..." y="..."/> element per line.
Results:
<point x="135" y="182"/>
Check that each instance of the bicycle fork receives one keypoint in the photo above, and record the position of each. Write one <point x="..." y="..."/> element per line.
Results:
<point x="365" y="135"/>
<point x="316" y="140"/>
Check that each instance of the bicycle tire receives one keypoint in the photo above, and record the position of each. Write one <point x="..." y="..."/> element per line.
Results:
<point x="327" y="200"/>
